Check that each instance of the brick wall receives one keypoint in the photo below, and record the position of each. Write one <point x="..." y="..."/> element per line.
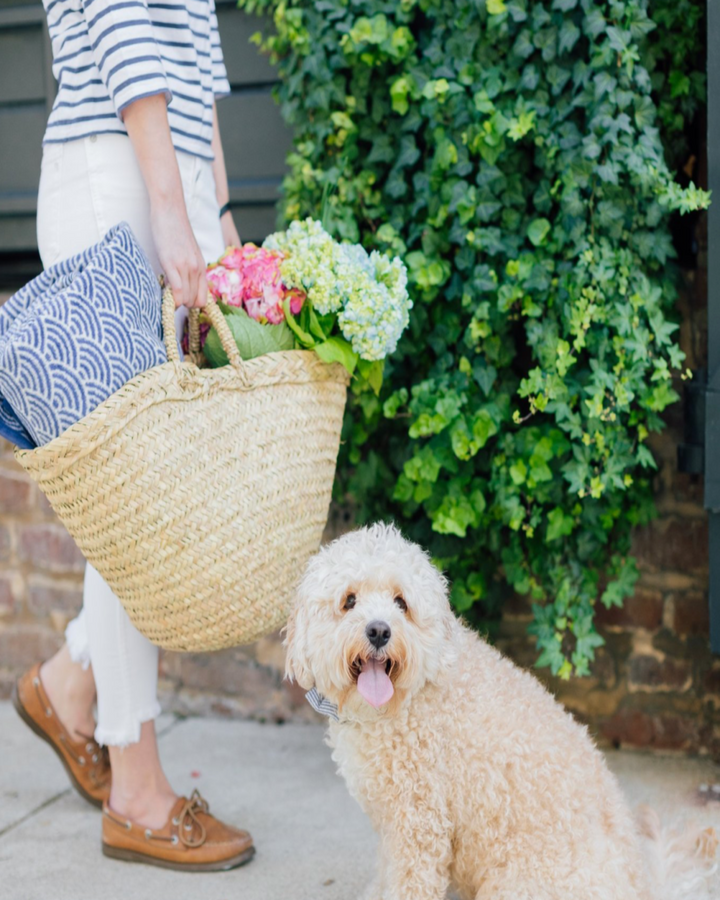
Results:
<point x="654" y="684"/>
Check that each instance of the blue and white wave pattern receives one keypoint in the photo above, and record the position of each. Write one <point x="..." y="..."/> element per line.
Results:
<point x="76" y="334"/>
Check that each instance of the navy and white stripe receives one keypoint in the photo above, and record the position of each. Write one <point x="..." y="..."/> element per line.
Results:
<point x="109" y="53"/>
<point x="321" y="704"/>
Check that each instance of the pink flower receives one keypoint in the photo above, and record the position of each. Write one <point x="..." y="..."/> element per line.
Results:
<point x="297" y="298"/>
<point x="233" y="258"/>
<point x="225" y="284"/>
<point x="249" y="276"/>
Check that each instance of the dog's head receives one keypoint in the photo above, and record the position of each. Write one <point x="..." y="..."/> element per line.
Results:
<point x="371" y="621"/>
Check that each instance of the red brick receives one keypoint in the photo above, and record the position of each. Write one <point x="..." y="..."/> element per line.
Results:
<point x="43" y="505"/>
<point x="679" y="545"/>
<point x="643" y="610"/>
<point x="15" y="493"/>
<point x="517" y="605"/>
<point x="603" y="667"/>
<point x="692" y="614"/>
<point x="295" y="693"/>
<point x="649" y="671"/>
<point x="9" y="602"/>
<point x="635" y="728"/>
<point x="43" y="599"/>
<point x="5" y="543"/>
<point x="22" y="646"/>
<point x="49" y="547"/>
<point x="629" y="726"/>
<point x="228" y="672"/>
<point x="711" y="682"/>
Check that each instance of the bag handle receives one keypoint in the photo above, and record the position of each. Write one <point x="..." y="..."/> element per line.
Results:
<point x="217" y="320"/>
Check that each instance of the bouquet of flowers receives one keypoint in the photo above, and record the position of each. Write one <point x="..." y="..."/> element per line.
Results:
<point x="304" y="290"/>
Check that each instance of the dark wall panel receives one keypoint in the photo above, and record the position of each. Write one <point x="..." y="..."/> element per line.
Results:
<point x="20" y="80"/>
<point x="21" y="131"/>
<point x="244" y="64"/>
<point x="256" y="142"/>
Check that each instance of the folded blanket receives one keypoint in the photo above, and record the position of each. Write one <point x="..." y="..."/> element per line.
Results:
<point x="76" y="334"/>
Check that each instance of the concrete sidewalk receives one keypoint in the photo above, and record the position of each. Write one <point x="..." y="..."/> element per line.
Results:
<point x="278" y="781"/>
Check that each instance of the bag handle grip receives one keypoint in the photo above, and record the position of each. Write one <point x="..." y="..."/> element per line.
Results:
<point x="217" y="320"/>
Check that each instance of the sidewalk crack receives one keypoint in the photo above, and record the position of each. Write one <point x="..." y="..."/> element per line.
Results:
<point x="29" y="815"/>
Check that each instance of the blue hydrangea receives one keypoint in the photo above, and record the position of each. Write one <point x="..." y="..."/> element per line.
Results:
<point x="367" y="291"/>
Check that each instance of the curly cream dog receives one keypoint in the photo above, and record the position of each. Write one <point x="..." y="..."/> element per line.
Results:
<point x="474" y="777"/>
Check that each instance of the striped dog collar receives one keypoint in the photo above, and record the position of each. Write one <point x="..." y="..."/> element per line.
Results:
<point x="321" y="704"/>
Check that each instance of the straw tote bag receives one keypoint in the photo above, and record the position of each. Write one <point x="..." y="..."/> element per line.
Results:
<point x="200" y="494"/>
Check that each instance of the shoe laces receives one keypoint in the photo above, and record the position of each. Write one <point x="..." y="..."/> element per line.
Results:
<point x="191" y="830"/>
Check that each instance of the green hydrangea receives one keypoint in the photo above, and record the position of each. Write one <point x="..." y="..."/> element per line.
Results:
<point x="367" y="291"/>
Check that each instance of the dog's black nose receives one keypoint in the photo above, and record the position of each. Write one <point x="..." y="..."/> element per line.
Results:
<point x="378" y="633"/>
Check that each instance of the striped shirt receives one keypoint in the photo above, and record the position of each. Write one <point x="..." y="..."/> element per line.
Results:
<point x="109" y="53"/>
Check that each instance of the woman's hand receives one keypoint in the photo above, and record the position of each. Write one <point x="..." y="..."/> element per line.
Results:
<point x="229" y="231"/>
<point x="179" y="255"/>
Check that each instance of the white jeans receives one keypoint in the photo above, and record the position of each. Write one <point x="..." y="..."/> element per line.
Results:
<point x="86" y="187"/>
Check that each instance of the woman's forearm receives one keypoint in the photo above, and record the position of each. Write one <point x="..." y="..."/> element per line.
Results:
<point x="180" y="258"/>
<point x="147" y="125"/>
<point x="222" y="191"/>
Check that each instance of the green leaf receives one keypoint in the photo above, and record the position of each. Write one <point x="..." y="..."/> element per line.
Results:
<point x="316" y="328"/>
<point x="538" y="231"/>
<point x="559" y="524"/>
<point x="394" y="402"/>
<point x="337" y="350"/>
<point x="307" y="340"/>
<point x="458" y="512"/>
<point x="372" y="372"/>
<point x="423" y="466"/>
<point x="252" y="339"/>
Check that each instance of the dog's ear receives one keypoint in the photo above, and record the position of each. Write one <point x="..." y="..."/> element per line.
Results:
<point x="297" y="665"/>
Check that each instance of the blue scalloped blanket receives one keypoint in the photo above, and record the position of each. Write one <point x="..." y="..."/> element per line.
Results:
<point x="76" y="334"/>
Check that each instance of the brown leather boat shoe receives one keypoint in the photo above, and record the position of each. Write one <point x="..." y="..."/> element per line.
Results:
<point x="191" y="840"/>
<point x="85" y="761"/>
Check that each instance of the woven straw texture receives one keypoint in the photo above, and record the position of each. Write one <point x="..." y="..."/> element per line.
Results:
<point x="200" y="494"/>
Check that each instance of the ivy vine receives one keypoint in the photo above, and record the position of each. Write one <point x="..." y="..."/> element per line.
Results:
<point x="509" y="150"/>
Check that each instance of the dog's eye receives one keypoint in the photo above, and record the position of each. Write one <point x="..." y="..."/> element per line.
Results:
<point x="400" y="601"/>
<point x="349" y="601"/>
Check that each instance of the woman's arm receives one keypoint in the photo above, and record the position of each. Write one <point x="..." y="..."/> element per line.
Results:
<point x="180" y="257"/>
<point x="131" y="67"/>
<point x="229" y="231"/>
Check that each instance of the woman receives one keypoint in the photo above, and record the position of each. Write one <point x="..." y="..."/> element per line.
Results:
<point x="133" y="136"/>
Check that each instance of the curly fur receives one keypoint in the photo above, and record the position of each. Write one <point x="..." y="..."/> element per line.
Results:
<point x="474" y="776"/>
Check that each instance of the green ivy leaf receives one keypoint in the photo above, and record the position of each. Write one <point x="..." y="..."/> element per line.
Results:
<point x="538" y="231"/>
<point x="559" y="524"/>
<point x="372" y="372"/>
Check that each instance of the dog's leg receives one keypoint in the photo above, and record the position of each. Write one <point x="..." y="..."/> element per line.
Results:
<point x="415" y="860"/>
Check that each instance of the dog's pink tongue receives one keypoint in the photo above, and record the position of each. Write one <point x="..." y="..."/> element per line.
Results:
<point x="374" y="684"/>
